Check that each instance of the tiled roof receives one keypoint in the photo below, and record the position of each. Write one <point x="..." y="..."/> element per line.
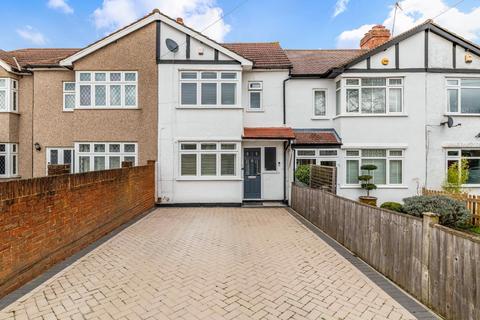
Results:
<point x="264" y="55"/>
<point x="7" y="58"/>
<point x="41" y="57"/>
<point x="307" y="136"/>
<point x="268" y="133"/>
<point x="318" y="62"/>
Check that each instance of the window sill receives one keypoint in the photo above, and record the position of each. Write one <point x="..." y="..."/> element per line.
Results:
<point x="470" y="186"/>
<point x="462" y="114"/>
<point x="320" y="118"/>
<point x="208" y="107"/>
<point x="208" y="179"/>
<point x="270" y="172"/>
<point x="11" y="112"/>
<point x="378" y="187"/>
<point x="400" y="115"/>
<point x="255" y="110"/>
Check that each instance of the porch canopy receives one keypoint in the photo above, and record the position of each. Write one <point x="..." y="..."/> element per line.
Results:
<point x="269" y="133"/>
<point x="317" y="137"/>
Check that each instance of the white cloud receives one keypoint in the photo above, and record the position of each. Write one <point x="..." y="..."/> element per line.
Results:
<point x="340" y="7"/>
<point x="414" y="12"/>
<point x="32" y="35"/>
<point x="61" y="5"/>
<point x="198" y="14"/>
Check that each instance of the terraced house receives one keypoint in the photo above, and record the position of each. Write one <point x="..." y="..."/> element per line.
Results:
<point x="231" y="122"/>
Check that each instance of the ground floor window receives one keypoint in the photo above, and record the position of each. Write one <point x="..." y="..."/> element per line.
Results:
<point x="94" y="156"/>
<point x="472" y="157"/>
<point x="209" y="159"/>
<point x="8" y="160"/>
<point x="389" y="164"/>
<point x="60" y="156"/>
<point x="322" y="157"/>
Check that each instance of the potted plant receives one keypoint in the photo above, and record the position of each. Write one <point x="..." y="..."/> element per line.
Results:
<point x="367" y="184"/>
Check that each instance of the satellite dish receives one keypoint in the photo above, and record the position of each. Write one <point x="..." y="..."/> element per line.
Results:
<point x="171" y="45"/>
<point x="449" y="123"/>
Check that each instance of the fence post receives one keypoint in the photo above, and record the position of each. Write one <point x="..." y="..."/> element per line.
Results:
<point x="429" y="219"/>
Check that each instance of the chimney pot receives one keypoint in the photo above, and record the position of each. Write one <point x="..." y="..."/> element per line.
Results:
<point x="376" y="36"/>
<point x="180" y="20"/>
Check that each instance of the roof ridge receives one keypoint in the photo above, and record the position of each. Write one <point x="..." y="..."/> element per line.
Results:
<point x="341" y="49"/>
<point x="252" y="42"/>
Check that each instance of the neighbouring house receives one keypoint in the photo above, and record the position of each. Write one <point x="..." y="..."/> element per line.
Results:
<point x="230" y="122"/>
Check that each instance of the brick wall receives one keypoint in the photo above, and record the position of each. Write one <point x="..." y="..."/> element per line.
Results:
<point x="45" y="220"/>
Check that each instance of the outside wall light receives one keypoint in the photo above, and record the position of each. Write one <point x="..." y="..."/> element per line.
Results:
<point x="37" y="146"/>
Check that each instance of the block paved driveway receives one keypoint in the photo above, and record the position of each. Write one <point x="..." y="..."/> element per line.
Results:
<point x="210" y="263"/>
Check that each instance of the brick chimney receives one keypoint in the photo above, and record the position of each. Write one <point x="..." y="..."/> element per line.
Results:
<point x="376" y="36"/>
<point x="180" y="20"/>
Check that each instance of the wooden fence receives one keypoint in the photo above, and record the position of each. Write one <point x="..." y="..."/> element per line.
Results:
<point x="323" y="177"/>
<point x="472" y="201"/>
<point x="437" y="265"/>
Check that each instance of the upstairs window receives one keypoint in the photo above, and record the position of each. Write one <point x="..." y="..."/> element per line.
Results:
<point x="8" y="160"/>
<point x="463" y="96"/>
<point x="208" y="88"/>
<point x="374" y="95"/>
<point x="116" y="89"/>
<point x="255" y="95"/>
<point x="8" y="95"/>
<point x="319" y="103"/>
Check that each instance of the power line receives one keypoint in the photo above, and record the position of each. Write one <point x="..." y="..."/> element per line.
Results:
<point x="448" y="9"/>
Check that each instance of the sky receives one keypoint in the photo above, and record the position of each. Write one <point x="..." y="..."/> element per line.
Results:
<point x="296" y="24"/>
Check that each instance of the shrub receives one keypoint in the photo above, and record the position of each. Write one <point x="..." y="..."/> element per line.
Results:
<point x="366" y="179"/>
<point x="394" y="206"/>
<point x="457" y="175"/>
<point x="453" y="213"/>
<point x="302" y="174"/>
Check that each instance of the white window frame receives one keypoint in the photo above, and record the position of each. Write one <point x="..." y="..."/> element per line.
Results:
<point x="107" y="83"/>
<point x="60" y="155"/>
<point x="387" y="158"/>
<point x="457" y="158"/>
<point x="107" y="154"/>
<point x="218" y="152"/>
<point x="359" y="87"/>
<point x="218" y="80"/>
<point x="11" y="93"/>
<point x="317" y="156"/>
<point x="66" y="93"/>
<point x="458" y="87"/>
<point x="260" y="91"/>
<point x="314" y="116"/>
<point x="11" y="156"/>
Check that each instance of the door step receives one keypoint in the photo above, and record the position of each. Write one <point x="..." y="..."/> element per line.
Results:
<point x="264" y="204"/>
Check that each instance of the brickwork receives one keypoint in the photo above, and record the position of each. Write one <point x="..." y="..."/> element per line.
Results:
<point x="58" y="169"/>
<point x="45" y="220"/>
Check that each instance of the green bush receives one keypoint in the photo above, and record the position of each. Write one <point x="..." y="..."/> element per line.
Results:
<point x="302" y="174"/>
<point x="453" y="213"/>
<point x="394" y="206"/>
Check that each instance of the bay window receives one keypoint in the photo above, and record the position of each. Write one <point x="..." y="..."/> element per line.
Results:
<point x="208" y="88"/>
<point x="463" y="96"/>
<point x="115" y="89"/>
<point x="472" y="157"/>
<point x="8" y="95"/>
<point x="94" y="156"/>
<point x="8" y="160"/>
<point x="389" y="164"/>
<point x="374" y="95"/>
<point x="209" y="159"/>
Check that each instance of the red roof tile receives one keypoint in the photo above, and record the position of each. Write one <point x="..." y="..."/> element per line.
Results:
<point x="316" y="137"/>
<point x="268" y="133"/>
<point x="318" y="62"/>
<point x="41" y="57"/>
<point x="264" y="55"/>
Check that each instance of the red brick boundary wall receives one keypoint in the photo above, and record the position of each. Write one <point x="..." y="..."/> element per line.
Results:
<point x="45" y="220"/>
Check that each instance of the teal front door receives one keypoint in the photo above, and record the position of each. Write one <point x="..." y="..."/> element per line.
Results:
<point x="252" y="179"/>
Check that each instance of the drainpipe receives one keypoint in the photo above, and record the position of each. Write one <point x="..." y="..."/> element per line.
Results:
<point x="285" y="98"/>
<point x="285" y="144"/>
